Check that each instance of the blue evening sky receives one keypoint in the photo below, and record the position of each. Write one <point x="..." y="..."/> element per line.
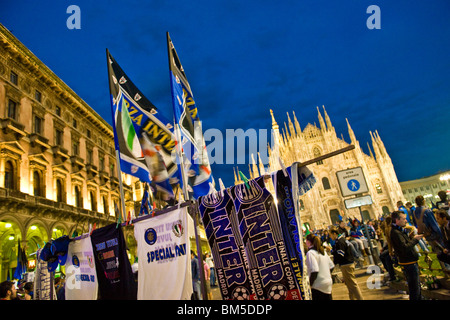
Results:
<point x="243" y="58"/>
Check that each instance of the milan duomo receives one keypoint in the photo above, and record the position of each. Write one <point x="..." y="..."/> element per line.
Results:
<point x="324" y="204"/>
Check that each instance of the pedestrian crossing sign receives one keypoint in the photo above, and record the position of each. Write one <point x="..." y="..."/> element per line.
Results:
<point x="352" y="181"/>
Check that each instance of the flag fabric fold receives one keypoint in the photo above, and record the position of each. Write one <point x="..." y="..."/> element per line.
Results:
<point x="145" y="203"/>
<point x="133" y="116"/>
<point x="191" y="134"/>
<point x="22" y="262"/>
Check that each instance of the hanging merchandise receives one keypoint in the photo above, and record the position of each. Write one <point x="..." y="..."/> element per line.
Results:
<point x="42" y="280"/>
<point x="164" y="257"/>
<point x="81" y="276"/>
<point x="259" y="226"/>
<point x="55" y="252"/>
<point x="222" y="229"/>
<point x="291" y="232"/>
<point x="115" y="277"/>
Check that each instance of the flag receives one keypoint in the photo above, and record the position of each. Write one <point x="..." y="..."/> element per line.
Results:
<point x="145" y="203"/>
<point x="157" y="167"/>
<point x="186" y="116"/>
<point x="21" y="263"/>
<point x="133" y="115"/>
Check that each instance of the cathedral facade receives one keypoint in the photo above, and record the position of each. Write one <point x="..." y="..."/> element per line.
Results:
<point x="324" y="204"/>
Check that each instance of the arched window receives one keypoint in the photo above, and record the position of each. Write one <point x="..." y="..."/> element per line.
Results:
<point x="9" y="175"/>
<point x="326" y="183"/>
<point x="105" y="205"/>
<point x="78" y="197"/>
<point x="59" y="191"/>
<point x="93" y="200"/>
<point x="334" y="216"/>
<point x="37" y="184"/>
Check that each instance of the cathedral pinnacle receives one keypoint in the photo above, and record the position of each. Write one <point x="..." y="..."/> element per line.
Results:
<point x="321" y="122"/>
<point x="274" y="123"/>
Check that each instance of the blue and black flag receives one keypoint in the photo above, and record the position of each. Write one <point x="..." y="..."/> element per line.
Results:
<point x="191" y="134"/>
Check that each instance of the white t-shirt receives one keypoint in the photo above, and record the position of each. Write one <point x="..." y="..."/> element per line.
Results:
<point x="81" y="275"/>
<point x="322" y="264"/>
<point x="164" y="257"/>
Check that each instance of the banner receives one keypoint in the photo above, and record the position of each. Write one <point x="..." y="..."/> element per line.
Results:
<point x="164" y="257"/>
<point x="292" y="237"/>
<point x="186" y="116"/>
<point x="81" y="275"/>
<point x="42" y="280"/>
<point x="114" y="274"/>
<point x="230" y="261"/>
<point x="272" y="274"/>
<point x="133" y="115"/>
<point x="145" y="203"/>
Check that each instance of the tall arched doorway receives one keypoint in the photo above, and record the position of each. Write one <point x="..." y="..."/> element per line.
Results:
<point x="334" y="216"/>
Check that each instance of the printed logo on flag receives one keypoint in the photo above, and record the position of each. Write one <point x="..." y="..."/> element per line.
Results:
<point x="150" y="236"/>
<point x="178" y="229"/>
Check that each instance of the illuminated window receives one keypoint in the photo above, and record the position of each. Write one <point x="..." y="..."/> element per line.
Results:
<point x="37" y="184"/>
<point x="9" y="175"/>
<point x="78" y="197"/>
<point x="93" y="201"/>
<point x="378" y="187"/>
<point x="60" y="194"/>
<point x="105" y="205"/>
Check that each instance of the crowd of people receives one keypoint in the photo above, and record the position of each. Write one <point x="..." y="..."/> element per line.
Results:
<point x="400" y="236"/>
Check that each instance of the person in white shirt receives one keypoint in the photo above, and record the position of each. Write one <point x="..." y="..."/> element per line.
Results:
<point x="319" y="267"/>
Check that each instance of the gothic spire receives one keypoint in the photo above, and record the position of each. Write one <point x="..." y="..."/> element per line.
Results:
<point x="327" y="119"/>
<point x="291" y="127"/>
<point x="350" y="132"/>
<point x="297" y="125"/>
<point x="321" y="122"/>
<point x="274" y="123"/>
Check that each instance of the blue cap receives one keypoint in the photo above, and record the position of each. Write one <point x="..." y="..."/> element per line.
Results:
<point x="61" y="246"/>
<point x="55" y="252"/>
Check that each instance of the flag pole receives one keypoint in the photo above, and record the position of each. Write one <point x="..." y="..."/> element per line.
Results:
<point x="116" y="144"/>
<point x="122" y="197"/>
<point x="191" y="210"/>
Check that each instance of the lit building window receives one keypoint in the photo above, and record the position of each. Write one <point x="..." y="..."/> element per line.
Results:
<point x="378" y="187"/>
<point x="9" y="175"/>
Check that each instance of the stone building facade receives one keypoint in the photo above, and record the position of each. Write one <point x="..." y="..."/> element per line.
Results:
<point x="58" y="170"/>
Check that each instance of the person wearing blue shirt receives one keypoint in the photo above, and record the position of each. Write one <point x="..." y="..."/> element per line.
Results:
<point x="402" y="208"/>
<point x="430" y="222"/>
<point x="195" y="276"/>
